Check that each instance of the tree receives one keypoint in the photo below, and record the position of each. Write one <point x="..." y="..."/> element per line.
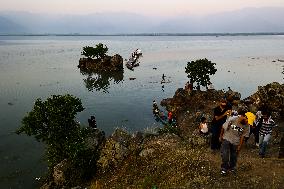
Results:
<point x="198" y="72"/>
<point x="99" y="51"/>
<point x="53" y="123"/>
<point x="89" y="52"/>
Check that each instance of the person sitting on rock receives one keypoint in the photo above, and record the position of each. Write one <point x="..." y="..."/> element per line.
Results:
<point x="203" y="127"/>
<point x="92" y="122"/>
<point x="188" y="87"/>
<point x="155" y="108"/>
<point x="170" y="117"/>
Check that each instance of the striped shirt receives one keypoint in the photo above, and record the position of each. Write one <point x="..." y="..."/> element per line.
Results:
<point x="266" y="126"/>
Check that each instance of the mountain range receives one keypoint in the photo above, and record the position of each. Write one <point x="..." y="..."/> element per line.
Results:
<point x="248" y="20"/>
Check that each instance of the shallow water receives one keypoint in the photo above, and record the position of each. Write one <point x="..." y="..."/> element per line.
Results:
<point x="37" y="67"/>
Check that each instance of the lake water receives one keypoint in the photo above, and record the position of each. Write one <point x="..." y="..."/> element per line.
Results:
<point x="34" y="67"/>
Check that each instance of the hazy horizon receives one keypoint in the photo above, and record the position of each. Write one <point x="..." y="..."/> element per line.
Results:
<point x="120" y="21"/>
<point x="161" y="8"/>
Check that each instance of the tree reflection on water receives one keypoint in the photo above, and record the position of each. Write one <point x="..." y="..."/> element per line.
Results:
<point x="100" y="80"/>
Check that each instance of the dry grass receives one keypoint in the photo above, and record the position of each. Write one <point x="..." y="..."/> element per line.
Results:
<point x="175" y="163"/>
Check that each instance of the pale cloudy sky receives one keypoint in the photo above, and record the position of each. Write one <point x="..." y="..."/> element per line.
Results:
<point x="145" y="7"/>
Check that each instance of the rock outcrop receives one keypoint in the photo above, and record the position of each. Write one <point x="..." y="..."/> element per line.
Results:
<point x="270" y="96"/>
<point x="108" y="63"/>
<point x="118" y="147"/>
<point x="188" y="108"/>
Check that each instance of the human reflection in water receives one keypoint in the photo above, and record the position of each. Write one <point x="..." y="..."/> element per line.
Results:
<point x="100" y="80"/>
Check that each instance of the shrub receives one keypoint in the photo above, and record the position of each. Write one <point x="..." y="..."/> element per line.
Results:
<point x="99" y="51"/>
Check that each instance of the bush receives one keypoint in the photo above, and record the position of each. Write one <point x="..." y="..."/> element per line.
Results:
<point x="99" y="51"/>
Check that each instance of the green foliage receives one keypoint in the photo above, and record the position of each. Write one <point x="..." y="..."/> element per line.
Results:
<point x="89" y="52"/>
<point x="198" y="71"/>
<point x="99" y="51"/>
<point x="53" y="123"/>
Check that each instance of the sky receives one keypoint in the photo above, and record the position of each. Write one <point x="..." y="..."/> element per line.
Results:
<point x="144" y="7"/>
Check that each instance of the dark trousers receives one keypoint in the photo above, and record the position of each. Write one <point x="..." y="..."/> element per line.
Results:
<point x="255" y="132"/>
<point x="228" y="155"/>
<point x="215" y="143"/>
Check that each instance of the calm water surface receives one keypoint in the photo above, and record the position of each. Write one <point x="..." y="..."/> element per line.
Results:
<point x="37" y="67"/>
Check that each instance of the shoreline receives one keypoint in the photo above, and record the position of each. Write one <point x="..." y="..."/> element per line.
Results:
<point x="148" y="34"/>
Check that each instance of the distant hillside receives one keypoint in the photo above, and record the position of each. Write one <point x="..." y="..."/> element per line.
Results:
<point x="8" y="26"/>
<point x="244" y="20"/>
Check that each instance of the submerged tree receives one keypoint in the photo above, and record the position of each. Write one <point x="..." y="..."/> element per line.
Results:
<point x="99" y="51"/>
<point x="198" y="72"/>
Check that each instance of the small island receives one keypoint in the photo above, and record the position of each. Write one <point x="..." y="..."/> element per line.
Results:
<point x="96" y="59"/>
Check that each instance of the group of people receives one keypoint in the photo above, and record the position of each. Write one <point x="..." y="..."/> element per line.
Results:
<point x="230" y="129"/>
<point x="158" y="113"/>
<point x="134" y="57"/>
<point x="136" y="54"/>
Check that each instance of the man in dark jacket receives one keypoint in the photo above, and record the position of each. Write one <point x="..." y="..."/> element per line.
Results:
<point x="220" y="115"/>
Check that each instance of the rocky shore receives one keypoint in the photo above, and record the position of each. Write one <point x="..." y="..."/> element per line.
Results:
<point x="159" y="159"/>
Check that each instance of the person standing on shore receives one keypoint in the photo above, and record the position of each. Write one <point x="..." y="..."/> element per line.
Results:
<point x="266" y="125"/>
<point x="220" y="115"/>
<point x="232" y="136"/>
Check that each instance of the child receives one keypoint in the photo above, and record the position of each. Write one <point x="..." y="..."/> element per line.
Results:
<point x="170" y="117"/>
<point x="203" y="128"/>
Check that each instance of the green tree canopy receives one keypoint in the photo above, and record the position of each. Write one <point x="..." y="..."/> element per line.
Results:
<point x="99" y="51"/>
<point x="198" y="72"/>
<point x="53" y="123"/>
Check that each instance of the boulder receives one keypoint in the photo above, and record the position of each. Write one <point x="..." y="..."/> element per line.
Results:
<point x="59" y="172"/>
<point x="115" y="149"/>
<point x="95" y="139"/>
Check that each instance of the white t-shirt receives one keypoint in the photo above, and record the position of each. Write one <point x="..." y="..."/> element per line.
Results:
<point x="233" y="130"/>
<point x="203" y="127"/>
